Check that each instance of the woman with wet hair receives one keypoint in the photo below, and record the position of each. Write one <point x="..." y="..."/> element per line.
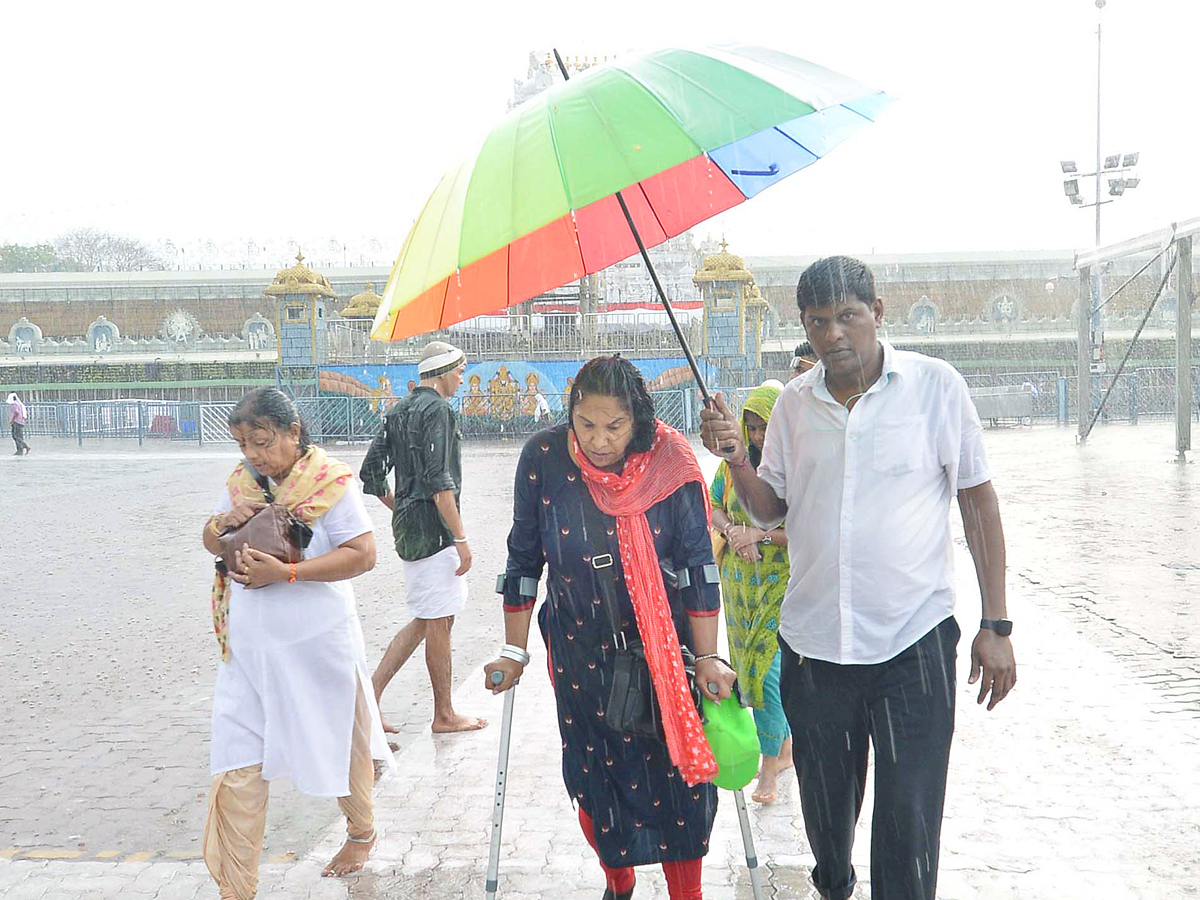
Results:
<point x="290" y="700"/>
<point x="614" y="502"/>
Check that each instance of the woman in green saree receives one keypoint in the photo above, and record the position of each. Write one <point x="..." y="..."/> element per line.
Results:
<point x="754" y="575"/>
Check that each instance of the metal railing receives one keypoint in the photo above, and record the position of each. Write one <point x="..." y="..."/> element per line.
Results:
<point x="569" y="335"/>
<point x="1142" y="393"/>
<point x="329" y="419"/>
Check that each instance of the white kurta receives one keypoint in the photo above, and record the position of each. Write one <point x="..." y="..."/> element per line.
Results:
<point x="286" y="697"/>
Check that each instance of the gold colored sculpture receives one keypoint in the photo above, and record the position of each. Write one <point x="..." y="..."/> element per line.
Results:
<point x="299" y="279"/>
<point x="364" y="305"/>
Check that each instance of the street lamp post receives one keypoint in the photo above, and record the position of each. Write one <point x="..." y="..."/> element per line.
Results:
<point x="1115" y="168"/>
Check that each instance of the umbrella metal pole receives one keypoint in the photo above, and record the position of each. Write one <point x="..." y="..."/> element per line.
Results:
<point x="748" y="842"/>
<point x="493" y="870"/>
<point x="662" y="295"/>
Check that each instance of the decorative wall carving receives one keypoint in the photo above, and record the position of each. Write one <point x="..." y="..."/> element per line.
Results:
<point x="103" y="336"/>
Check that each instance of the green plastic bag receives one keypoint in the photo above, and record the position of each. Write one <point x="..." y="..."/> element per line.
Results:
<point x="731" y="734"/>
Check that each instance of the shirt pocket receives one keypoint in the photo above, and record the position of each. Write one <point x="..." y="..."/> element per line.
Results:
<point x="903" y="445"/>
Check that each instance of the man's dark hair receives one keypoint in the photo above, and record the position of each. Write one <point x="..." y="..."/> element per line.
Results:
<point x="617" y="377"/>
<point x="830" y="280"/>
<point x="804" y="350"/>
<point x="269" y="408"/>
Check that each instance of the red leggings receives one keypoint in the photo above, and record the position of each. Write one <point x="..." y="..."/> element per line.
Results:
<point x="683" y="876"/>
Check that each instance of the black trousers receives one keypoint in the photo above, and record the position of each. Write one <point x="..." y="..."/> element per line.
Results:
<point x="18" y="436"/>
<point x="905" y="707"/>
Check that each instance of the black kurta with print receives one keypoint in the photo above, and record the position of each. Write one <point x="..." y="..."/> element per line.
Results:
<point x="642" y="809"/>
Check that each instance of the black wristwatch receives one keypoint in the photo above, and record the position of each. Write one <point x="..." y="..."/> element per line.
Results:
<point x="1002" y="627"/>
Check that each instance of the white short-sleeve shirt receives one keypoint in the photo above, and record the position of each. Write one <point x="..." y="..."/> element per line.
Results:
<point x="283" y="613"/>
<point x="868" y="494"/>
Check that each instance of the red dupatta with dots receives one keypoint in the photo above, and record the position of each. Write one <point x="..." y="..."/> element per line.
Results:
<point x="649" y="478"/>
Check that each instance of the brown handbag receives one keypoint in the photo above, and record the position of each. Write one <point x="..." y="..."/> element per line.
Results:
<point x="273" y="530"/>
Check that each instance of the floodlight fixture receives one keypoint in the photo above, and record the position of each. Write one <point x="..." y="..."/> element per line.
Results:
<point x="1129" y="161"/>
<point x="1068" y="167"/>
<point x="1131" y="183"/>
<point x="1077" y="200"/>
<point x="1071" y="188"/>
<point x="1112" y="162"/>
<point x="1116" y="186"/>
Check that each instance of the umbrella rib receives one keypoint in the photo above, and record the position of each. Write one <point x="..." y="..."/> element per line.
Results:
<point x="617" y="143"/>
<point x="653" y="211"/>
<point x="806" y="149"/>
<point x="562" y="175"/>
<point x="733" y="110"/>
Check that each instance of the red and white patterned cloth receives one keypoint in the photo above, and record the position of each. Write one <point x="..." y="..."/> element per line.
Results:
<point x="647" y="479"/>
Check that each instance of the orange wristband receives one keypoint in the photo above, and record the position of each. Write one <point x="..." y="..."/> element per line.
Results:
<point x="292" y="574"/>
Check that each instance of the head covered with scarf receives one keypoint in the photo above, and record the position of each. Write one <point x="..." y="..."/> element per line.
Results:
<point x="759" y="401"/>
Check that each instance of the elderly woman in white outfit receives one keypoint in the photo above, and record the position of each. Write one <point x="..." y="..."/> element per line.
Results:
<point x="290" y="699"/>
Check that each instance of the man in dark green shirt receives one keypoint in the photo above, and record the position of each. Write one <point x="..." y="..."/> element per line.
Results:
<point x="419" y="442"/>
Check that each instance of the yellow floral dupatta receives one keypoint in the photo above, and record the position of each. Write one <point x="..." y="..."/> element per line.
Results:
<point x="315" y="483"/>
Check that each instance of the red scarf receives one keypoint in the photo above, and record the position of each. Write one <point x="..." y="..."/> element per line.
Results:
<point x="649" y="478"/>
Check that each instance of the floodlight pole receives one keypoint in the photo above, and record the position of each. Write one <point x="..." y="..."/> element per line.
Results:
<point x="1183" y="347"/>
<point x="1097" y="322"/>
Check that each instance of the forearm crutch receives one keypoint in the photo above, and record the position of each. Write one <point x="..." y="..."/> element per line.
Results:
<point x="493" y="870"/>
<point x="748" y="841"/>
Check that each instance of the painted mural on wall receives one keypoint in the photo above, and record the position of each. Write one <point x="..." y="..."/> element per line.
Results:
<point x="502" y="391"/>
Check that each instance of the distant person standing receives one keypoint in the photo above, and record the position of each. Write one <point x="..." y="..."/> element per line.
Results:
<point x="16" y="419"/>
<point x="803" y="359"/>
<point x="419" y="441"/>
<point x="541" y="410"/>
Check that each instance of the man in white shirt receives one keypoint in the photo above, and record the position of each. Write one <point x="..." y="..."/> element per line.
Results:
<point x="541" y="409"/>
<point x="863" y="455"/>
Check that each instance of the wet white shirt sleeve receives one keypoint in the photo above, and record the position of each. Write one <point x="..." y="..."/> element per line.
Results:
<point x="347" y="518"/>
<point x="966" y="451"/>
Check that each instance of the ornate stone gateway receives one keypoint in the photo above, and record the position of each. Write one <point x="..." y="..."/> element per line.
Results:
<point x="734" y="315"/>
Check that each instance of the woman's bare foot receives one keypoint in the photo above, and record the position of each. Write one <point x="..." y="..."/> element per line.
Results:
<point x="765" y="791"/>
<point x="785" y="757"/>
<point x="457" y="722"/>
<point x="388" y="727"/>
<point x="350" y="858"/>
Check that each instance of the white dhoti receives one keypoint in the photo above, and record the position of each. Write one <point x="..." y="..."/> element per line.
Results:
<point x="433" y="590"/>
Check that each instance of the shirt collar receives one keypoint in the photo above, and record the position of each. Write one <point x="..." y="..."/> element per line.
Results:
<point x="893" y="365"/>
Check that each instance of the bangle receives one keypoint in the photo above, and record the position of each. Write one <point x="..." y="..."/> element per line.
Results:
<point x="214" y="525"/>
<point x="517" y="654"/>
<point x="291" y="573"/>
<point x="704" y="656"/>
<point x="744" y="464"/>
<point x="461" y="540"/>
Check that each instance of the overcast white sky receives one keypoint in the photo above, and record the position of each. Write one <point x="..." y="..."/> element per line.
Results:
<point x="261" y="120"/>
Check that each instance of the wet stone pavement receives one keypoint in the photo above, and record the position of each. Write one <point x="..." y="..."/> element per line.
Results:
<point x="1082" y="783"/>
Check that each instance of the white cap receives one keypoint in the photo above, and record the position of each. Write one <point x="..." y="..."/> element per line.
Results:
<point x="438" y="358"/>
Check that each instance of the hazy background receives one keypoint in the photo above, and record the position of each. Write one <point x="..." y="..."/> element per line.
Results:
<point x="233" y="122"/>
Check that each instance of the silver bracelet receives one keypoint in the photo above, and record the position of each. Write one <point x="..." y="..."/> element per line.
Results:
<point x="704" y="656"/>
<point x="461" y="540"/>
<point x="515" y="653"/>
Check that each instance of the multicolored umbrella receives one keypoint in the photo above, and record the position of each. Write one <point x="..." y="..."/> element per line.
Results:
<point x="682" y="135"/>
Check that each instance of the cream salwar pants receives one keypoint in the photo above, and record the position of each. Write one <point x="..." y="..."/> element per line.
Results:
<point x="237" y="813"/>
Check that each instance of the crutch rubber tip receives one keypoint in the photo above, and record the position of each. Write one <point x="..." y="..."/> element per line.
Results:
<point x="497" y="677"/>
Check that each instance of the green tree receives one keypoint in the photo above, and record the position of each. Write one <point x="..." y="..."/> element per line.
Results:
<point x="35" y="258"/>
